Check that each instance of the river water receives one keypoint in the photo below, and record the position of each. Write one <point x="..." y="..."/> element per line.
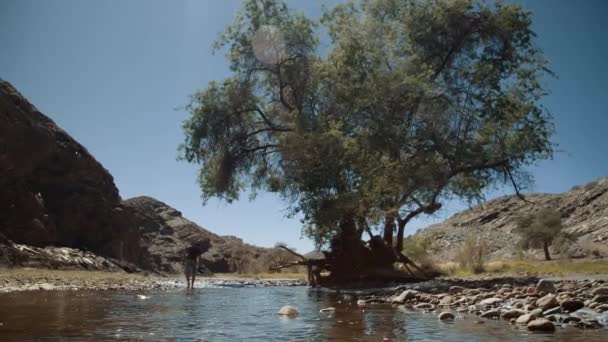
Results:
<point x="240" y="314"/>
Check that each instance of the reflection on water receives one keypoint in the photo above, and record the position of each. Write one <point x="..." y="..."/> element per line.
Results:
<point x="233" y="314"/>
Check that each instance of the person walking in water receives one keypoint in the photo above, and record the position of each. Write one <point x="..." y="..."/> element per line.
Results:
<point x="191" y="261"/>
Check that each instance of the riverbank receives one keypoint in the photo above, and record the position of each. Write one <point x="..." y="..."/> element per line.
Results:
<point x="30" y="279"/>
<point x="522" y="301"/>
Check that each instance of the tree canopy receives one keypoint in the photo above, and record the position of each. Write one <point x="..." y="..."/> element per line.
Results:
<point x="375" y="113"/>
<point x="543" y="229"/>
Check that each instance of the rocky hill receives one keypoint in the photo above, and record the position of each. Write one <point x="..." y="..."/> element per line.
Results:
<point x="166" y="233"/>
<point x="52" y="191"/>
<point x="60" y="208"/>
<point x="584" y="211"/>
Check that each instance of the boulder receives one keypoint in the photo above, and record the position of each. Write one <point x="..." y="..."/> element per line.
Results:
<point x="541" y="324"/>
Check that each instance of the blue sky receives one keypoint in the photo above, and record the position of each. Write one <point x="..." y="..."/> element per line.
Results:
<point x="115" y="75"/>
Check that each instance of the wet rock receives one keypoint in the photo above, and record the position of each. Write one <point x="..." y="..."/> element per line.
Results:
<point x="361" y="302"/>
<point x="456" y="289"/>
<point x="600" y="291"/>
<point x="571" y="319"/>
<point x="424" y="306"/>
<point x="546" y="286"/>
<point x="330" y="309"/>
<point x="572" y="305"/>
<point x="547" y="302"/>
<point x="491" y="314"/>
<point x="404" y="296"/>
<point x="553" y="311"/>
<point x="541" y="324"/>
<point x="447" y="300"/>
<point x="601" y="308"/>
<point x="525" y="319"/>
<point x="512" y="314"/>
<point x="288" y="310"/>
<point x="445" y="316"/>
<point x="490" y="301"/>
<point x="600" y="299"/>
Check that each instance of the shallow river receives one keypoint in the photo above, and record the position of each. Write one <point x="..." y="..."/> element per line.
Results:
<point x="239" y="314"/>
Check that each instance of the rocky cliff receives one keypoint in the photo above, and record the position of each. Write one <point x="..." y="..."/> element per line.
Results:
<point x="60" y="208"/>
<point x="584" y="211"/>
<point x="52" y="191"/>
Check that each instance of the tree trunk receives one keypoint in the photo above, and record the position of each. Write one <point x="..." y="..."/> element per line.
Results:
<point x="546" y="249"/>
<point x="389" y="229"/>
<point x="400" y="232"/>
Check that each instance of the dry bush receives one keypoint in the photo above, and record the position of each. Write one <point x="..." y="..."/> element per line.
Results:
<point x="417" y="247"/>
<point x="472" y="254"/>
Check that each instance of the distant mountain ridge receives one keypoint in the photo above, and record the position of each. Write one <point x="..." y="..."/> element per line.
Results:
<point x="584" y="211"/>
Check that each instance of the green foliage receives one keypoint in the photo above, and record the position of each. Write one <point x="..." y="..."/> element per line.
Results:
<point x="543" y="229"/>
<point x="411" y="103"/>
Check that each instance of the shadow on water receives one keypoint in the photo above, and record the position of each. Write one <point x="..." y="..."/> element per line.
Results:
<point x="234" y="314"/>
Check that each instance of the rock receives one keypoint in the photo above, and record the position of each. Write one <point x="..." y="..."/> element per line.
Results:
<point x="600" y="299"/>
<point x="524" y="319"/>
<point x="547" y="302"/>
<point x="491" y="314"/>
<point x="512" y="314"/>
<point x="445" y="316"/>
<point x="404" y="296"/>
<point x="490" y="301"/>
<point x="456" y="289"/>
<point x="601" y="308"/>
<point x="600" y="291"/>
<point x="553" y="311"/>
<point x="361" y="302"/>
<point x="330" y="309"/>
<point x="288" y="310"/>
<point x="424" y="306"/>
<point x="447" y="300"/>
<point x="571" y="319"/>
<point x="541" y="324"/>
<point x="546" y="286"/>
<point x="571" y="305"/>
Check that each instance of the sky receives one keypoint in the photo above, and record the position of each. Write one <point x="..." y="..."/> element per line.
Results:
<point x="116" y="76"/>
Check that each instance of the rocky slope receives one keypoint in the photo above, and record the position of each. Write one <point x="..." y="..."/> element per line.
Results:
<point x="60" y="208"/>
<point x="52" y="191"/>
<point x="166" y="233"/>
<point x="584" y="211"/>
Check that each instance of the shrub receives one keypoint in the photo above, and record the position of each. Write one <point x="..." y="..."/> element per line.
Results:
<point x="472" y="254"/>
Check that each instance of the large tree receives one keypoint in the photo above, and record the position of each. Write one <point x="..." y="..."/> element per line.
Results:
<point x="404" y="104"/>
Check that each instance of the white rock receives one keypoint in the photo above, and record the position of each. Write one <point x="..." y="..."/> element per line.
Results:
<point x="289" y="310"/>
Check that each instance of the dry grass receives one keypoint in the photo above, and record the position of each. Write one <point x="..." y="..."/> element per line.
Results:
<point x="556" y="268"/>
